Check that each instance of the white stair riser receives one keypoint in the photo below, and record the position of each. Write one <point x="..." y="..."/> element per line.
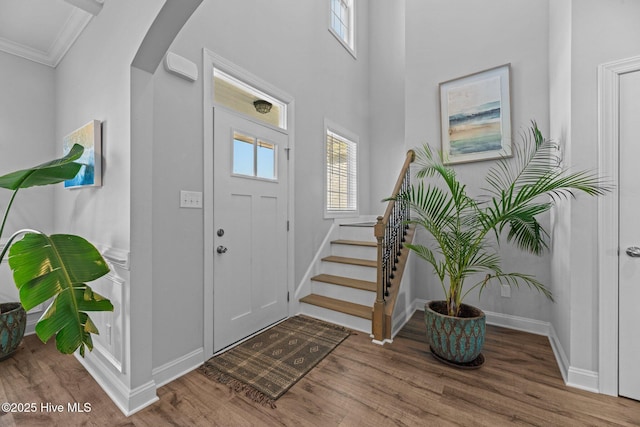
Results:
<point x="343" y="293"/>
<point x="346" y="320"/>
<point x="348" y="270"/>
<point x="354" y="251"/>
<point x="357" y="233"/>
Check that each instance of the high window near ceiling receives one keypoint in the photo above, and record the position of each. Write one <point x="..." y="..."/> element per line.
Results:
<point x="341" y="23"/>
<point x="342" y="173"/>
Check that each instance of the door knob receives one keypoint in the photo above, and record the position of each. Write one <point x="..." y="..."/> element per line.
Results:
<point x="633" y="251"/>
<point x="221" y="249"/>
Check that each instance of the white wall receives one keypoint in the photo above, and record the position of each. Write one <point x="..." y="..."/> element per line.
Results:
<point x="601" y="31"/>
<point x="449" y="39"/>
<point x="387" y="97"/>
<point x="286" y="43"/>
<point x="412" y="45"/>
<point x="94" y="81"/>
<point x="27" y="124"/>
<point x="560" y="130"/>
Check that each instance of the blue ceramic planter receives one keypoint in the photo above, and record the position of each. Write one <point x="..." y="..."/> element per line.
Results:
<point x="13" y="320"/>
<point x="454" y="339"/>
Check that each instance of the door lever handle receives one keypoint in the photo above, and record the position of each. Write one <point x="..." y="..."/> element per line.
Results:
<point x="633" y="251"/>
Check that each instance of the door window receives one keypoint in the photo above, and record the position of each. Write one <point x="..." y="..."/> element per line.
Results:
<point x="254" y="157"/>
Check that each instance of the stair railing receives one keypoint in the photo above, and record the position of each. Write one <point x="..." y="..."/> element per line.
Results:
<point x="390" y="231"/>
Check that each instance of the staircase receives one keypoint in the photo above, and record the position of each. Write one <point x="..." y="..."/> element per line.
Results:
<point x="345" y="289"/>
<point x="355" y="278"/>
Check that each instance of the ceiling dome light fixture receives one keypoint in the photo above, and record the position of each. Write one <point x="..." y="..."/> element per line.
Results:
<point x="262" y="106"/>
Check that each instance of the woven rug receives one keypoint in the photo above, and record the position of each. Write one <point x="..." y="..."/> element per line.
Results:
<point x="267" y="365"/>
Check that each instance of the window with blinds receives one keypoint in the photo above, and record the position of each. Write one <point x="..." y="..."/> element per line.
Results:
<point x="342" y="174"/>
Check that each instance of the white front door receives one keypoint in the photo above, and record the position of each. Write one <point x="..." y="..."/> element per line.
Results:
<point x="250" y="227"/>
<point x="629" y="236"/>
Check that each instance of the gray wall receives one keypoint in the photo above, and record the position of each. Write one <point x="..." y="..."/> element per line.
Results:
<point x="94" y="81"/>
<point x="27" y="138"/>
<point x="560" y="130"/>
<point x="287" y="44"/>
<point x="446" y="39"/>
<point x="601" y="31"/>
<point x="387" y="97"/>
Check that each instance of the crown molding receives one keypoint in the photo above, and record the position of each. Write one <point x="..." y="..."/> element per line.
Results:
<point x="71" y="30"/>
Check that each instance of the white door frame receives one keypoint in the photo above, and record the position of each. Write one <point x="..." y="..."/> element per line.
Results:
<point x="608" y="226"/>
<point x="211" y="60"/>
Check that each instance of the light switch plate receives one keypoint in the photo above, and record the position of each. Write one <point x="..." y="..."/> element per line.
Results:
<point x="191" y="199"/>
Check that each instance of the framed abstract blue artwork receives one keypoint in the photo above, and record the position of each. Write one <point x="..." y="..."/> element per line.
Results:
<point x="475" y="114"/>
<point x="90" y="137"/>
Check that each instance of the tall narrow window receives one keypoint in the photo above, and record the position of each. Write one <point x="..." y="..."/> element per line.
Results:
<point x="341" y="23"/>
<point x="342" y="175"/>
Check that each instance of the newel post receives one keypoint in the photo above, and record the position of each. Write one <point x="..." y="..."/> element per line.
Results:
<point x="378" y="324"/>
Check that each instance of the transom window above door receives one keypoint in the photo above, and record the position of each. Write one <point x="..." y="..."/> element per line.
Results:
<point x="243" y="98"/>
<point x="253" y="157"/>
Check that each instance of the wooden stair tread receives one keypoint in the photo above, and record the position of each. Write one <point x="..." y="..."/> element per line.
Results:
<point x="346" y="307"/>
<point x="364" y="285"/>
<point x="355" y="243"/>
<point x="352" y="261"/>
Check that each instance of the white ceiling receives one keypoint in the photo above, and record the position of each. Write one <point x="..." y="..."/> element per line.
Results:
<point x="43" y="30"/>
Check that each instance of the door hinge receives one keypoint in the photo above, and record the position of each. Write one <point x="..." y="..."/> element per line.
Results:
<point x="287" y="151"/>
<point x="287" y="225"/>
<point x="287" y="296"/>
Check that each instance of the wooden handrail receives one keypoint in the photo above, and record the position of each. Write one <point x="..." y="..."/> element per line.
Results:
<point x="411" y="156"/>
<point x="389" y="237"/>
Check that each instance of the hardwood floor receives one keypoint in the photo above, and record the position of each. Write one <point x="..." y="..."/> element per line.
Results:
<point x="358" y="384"/>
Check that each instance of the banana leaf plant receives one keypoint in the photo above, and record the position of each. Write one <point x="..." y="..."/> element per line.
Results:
<point x="466" y="231"/>
<point x="55" y="267"/>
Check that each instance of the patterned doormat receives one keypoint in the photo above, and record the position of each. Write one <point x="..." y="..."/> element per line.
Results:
<point x="267" y="365"/>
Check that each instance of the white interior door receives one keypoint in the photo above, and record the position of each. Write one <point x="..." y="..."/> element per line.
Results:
<point x="629" y="236"/>
<point x="250" y="227"/>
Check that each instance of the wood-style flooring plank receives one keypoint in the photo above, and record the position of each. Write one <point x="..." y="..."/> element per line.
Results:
<point x="358" y="384"/>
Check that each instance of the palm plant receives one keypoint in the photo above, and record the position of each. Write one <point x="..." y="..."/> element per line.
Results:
<point x="462" y="227"/>
<point x="55" y="267"/>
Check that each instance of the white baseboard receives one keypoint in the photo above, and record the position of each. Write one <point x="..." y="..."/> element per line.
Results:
<point x="378" y="342"/>
<point x="304" y="287"/>
<point x="33" y="316"/>
<point x="30" y="328"/>
<point x="401" y="319"/>
<point x="558" y="351"/>
<point x="508" y="321"/>
<point x="518" y="323"/>
<point x="176" y="368"/>
<point x="129" y="401"/>
<point x="583" y="379"/>
<point x="572" y="376"/>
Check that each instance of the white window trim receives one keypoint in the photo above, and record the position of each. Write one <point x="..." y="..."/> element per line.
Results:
<point x="350" y="47"/>
<point x="330" y="126"/>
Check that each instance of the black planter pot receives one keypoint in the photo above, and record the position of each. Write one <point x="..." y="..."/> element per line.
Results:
<point x="13" y="320"/>
<point x="458" y="340"/>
